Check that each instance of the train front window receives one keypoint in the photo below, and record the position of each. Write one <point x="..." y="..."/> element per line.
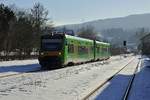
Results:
<point x="51" y="44"/>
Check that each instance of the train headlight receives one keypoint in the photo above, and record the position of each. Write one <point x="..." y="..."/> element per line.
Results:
<point x="42" y="53"/>
<point x="59" y="53"/>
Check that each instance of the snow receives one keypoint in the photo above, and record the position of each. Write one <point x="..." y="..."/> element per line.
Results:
<point x="141" y="87"/>
<point x="18" y="62"/>
<point x="18" y="66"/>
<point x="70" y="83"/>
<point x="115" y="88"/>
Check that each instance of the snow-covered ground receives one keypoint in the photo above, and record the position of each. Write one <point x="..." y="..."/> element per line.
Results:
<point x="116" y="87"/>
<point x="18" y="66"/>
<point x="114" y="90"/>
<point x="71" y="83"/>
<point x="141" y="86"/>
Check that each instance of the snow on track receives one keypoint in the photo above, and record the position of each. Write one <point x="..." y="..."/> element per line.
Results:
<point x="116" y="87"/>
<point x="71" y="83"/>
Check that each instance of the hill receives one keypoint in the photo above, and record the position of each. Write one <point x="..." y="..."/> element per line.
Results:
<point x="117" y="29"/>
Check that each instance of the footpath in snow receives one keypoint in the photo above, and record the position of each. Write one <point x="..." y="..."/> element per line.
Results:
<point x="70" y="83"/>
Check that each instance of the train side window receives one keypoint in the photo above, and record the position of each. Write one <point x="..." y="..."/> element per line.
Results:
<point x="100" y="48"/>
<point x="82" y="49"/>
<point x="97" y="49"/>
<point x="91" y="48"/>
<point x="86" y="49"/>
<point x="108" y="49"/>
<point x="70" y="48"/>
<point x="66" y="42"/>
<point x="103" y="49"/>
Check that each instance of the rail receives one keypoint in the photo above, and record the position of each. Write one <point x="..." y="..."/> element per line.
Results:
<point x="107" y="80"/>
<point x="125" y="96"/>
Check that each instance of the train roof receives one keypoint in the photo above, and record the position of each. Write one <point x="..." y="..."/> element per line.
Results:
<point x="78" y="38"/>
<point x="87" y="40"/>
<point x="103" y="43"/>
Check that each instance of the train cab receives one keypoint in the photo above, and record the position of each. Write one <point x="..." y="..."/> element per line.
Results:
<point x="51" y="50"/>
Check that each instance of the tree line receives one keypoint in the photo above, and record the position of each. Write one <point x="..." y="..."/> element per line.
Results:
<point x="20" y="29"/>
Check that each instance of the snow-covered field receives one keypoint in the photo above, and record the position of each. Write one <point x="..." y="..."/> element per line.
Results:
<point x="18" y="66"/>
<point x="71" y="83"/>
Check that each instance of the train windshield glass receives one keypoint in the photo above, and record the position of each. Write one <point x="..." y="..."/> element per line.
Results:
<point x="51" y="44"/>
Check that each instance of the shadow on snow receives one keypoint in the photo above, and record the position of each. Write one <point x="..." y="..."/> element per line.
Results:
<point x="19" y="68"/>
<point x="140" y="90"/>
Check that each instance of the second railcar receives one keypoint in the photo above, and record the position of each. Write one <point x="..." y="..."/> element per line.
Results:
<point x="78" y="49"/>
<point x="102" y="50"/>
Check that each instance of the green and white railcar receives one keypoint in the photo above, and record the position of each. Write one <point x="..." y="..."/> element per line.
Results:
<point x="102" y="50"/>
<point x="61" y="49"/>
<point x="78" y="49"/>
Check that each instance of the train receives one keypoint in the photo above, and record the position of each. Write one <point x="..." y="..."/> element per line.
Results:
<point x="59" y="50"/>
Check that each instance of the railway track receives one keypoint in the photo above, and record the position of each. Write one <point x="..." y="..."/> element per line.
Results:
<point x="38" y="70"/>
<point x="126" y="94"/>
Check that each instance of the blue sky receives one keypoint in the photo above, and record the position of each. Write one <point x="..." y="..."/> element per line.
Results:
<point x="78" y="11"/>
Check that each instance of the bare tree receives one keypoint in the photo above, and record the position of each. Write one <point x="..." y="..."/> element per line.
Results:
<point x="39" y="19"/>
